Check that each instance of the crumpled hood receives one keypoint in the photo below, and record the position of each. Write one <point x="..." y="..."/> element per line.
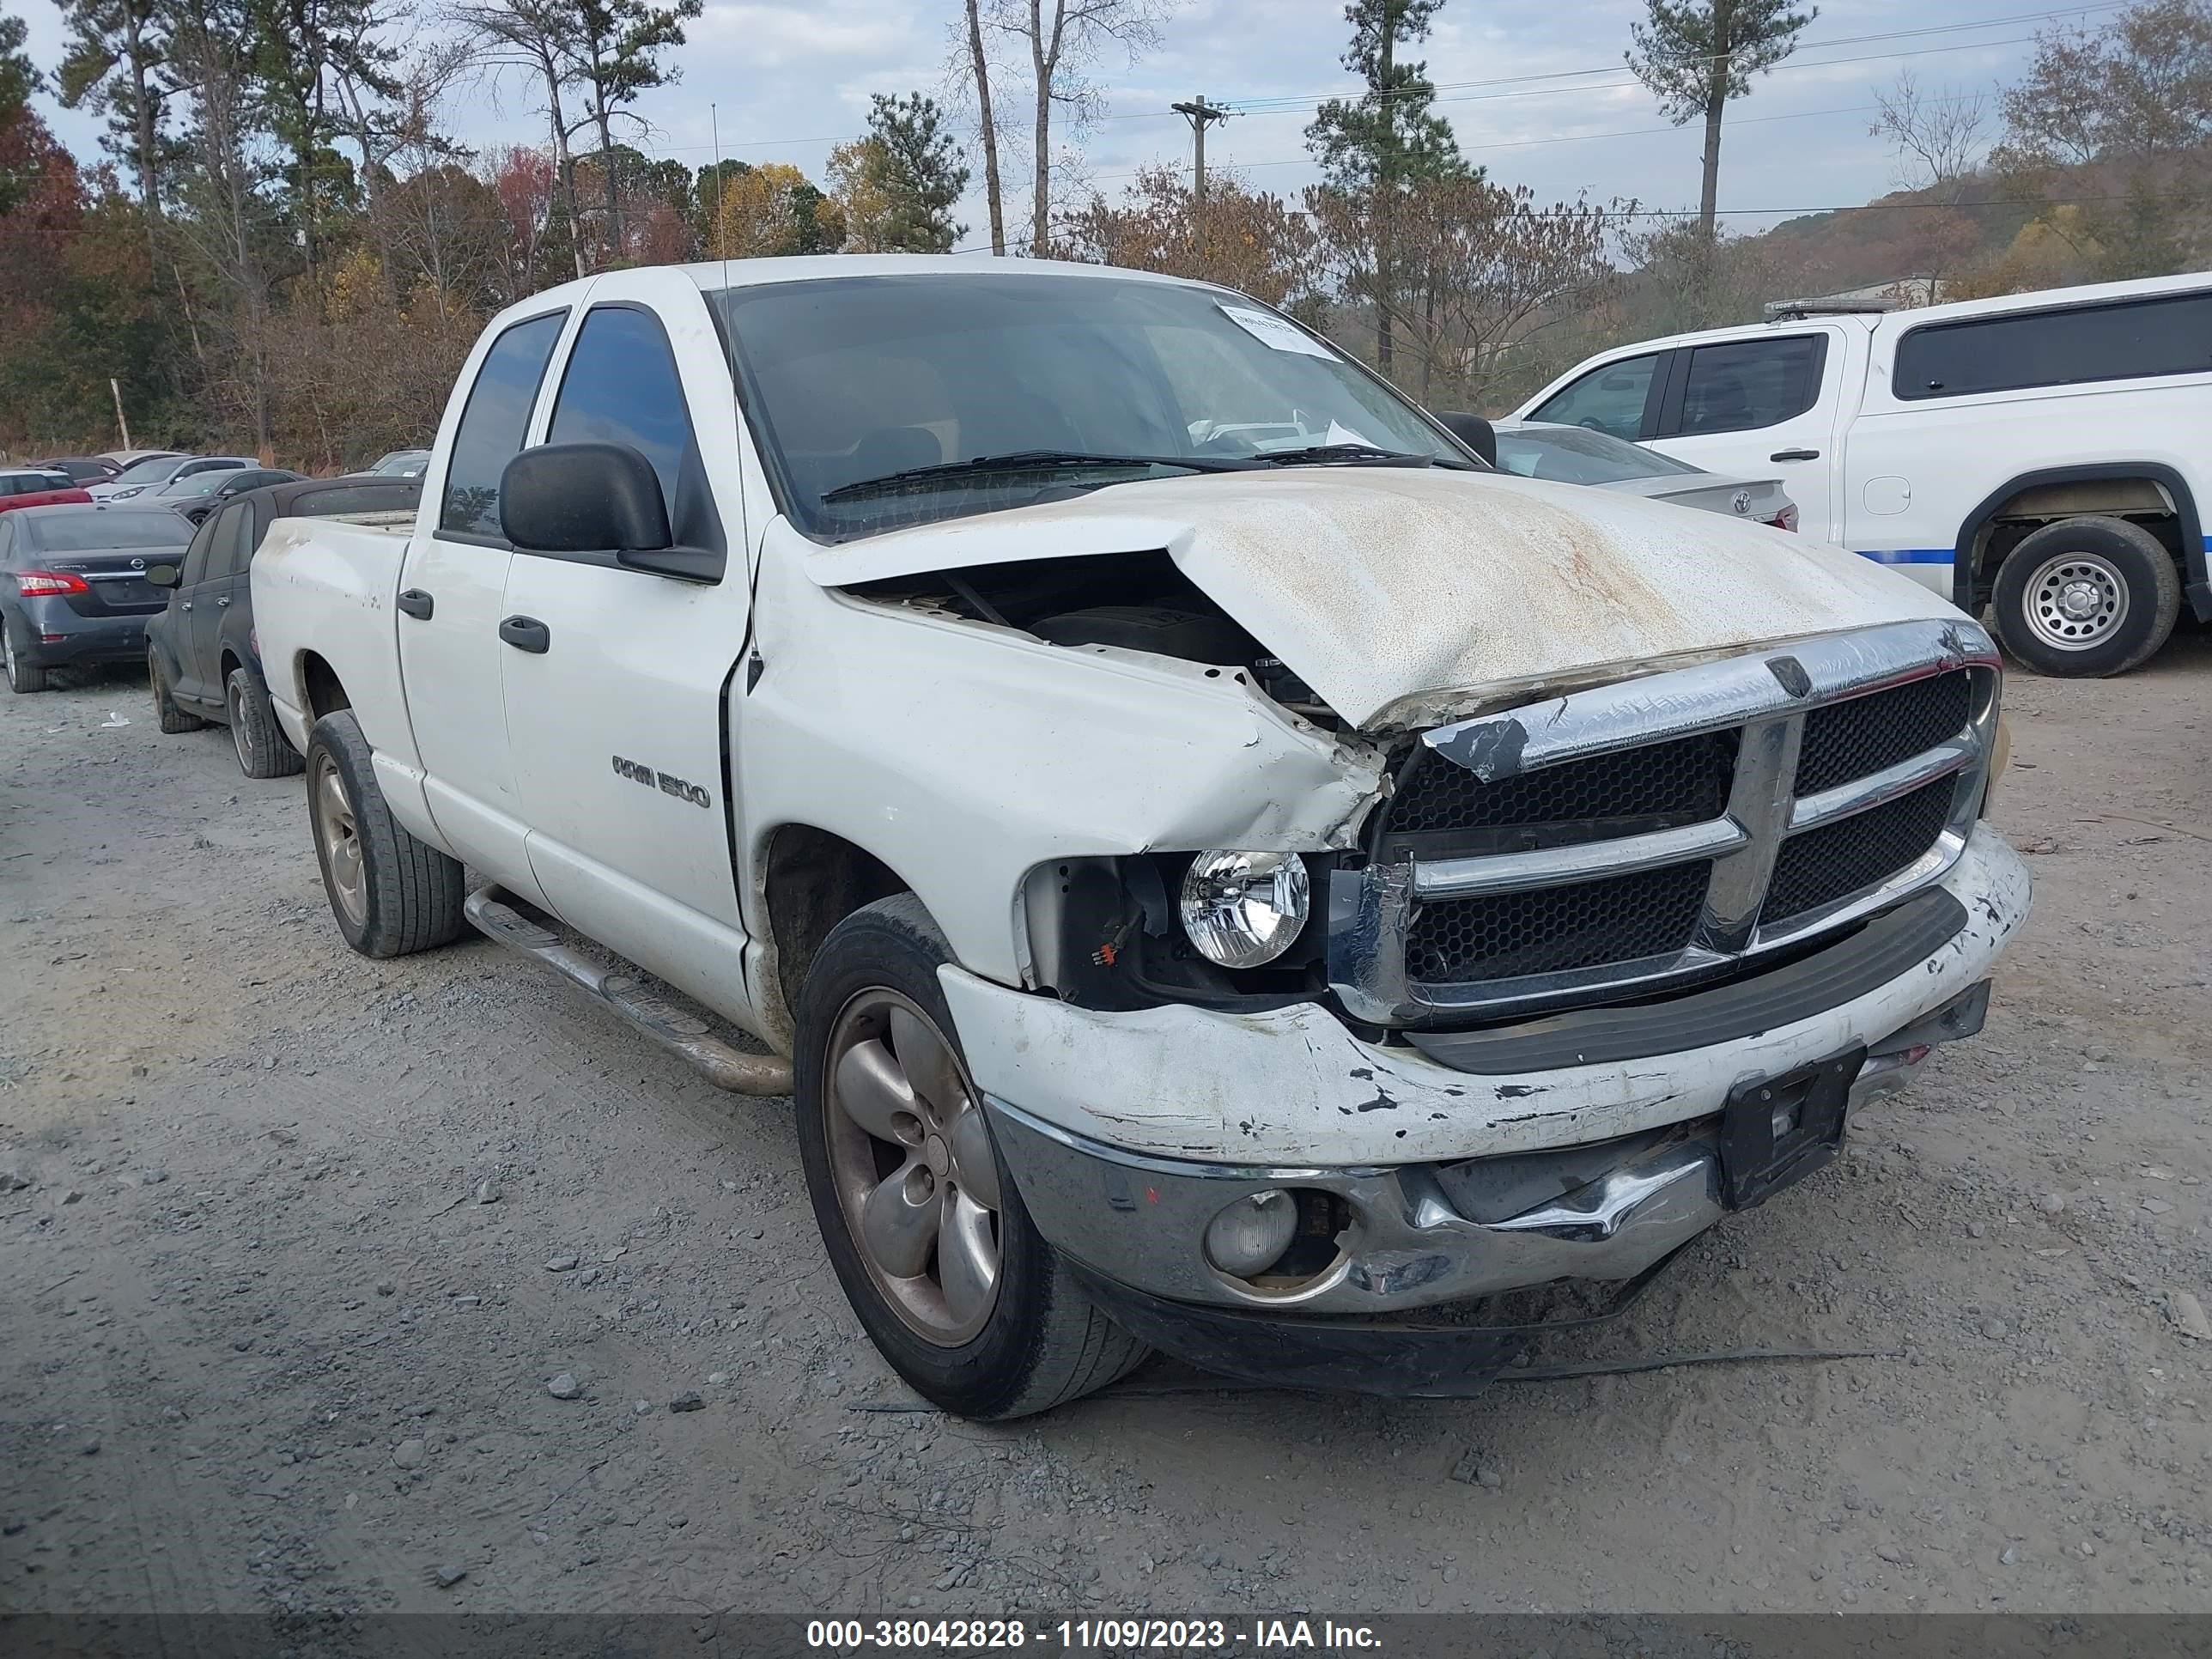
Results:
<point x="1406" y="596"/>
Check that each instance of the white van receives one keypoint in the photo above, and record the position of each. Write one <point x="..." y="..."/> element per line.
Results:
<point x="2042" y="455"/>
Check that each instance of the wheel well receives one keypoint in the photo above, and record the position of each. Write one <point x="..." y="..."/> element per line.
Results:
<point x="812" y="881"/>
<point x="2152" y="496"/>
<point x="320" y="682"/>
<point x="230" y="660"/>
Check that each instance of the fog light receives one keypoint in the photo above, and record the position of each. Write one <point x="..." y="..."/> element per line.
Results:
<point x="1251" y="1235"/>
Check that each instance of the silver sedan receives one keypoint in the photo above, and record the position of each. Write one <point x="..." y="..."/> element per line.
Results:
<point x="1575" y="454"/>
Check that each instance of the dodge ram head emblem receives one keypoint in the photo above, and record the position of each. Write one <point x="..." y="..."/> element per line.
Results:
<point x="1741" y="501"/>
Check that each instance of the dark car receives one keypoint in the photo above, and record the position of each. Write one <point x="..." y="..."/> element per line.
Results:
<point x="82" y="469"/>
<point x="201" y="493"/>
<point x="73" y="588"/>
<point x="21" y="487"/>
<point x="200" y="651"/>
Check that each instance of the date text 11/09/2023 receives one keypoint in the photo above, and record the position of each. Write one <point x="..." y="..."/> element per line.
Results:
<point x="1258" y="1636"/>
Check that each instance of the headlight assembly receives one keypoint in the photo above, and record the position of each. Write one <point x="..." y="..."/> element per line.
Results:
<point x="1242" y="909"/>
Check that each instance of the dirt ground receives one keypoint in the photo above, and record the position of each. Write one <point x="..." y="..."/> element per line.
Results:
<point x="263" y="1349"/>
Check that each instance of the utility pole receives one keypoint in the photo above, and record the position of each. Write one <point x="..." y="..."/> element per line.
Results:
<point x="1200" y="115"/>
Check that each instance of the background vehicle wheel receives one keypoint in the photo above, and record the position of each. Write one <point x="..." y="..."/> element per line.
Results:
<point x="172" y="718"/>
<point x="2087" y="596"/>
<point x="929" y="1238"/>
<point x="264" y="751"/>
<point x="22" y="674"/>
<point x="392" y="894"/>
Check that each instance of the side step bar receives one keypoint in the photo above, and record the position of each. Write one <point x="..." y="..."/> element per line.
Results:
<point x="685" y="1035"/>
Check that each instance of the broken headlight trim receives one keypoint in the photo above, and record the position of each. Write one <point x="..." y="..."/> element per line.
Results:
<point x="1240" y="910"/>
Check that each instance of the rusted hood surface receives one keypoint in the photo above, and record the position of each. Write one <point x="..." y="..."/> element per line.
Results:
<point x="1402" y="596"/>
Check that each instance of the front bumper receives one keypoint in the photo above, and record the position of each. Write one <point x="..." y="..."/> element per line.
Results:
<point x="1128" y="1133"/>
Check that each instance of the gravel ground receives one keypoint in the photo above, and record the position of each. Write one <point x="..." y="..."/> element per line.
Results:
<point x="268" y="1348"/>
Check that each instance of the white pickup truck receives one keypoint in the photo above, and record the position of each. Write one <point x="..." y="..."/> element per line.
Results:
<point x="2043" y="457"/>
<point x="1229" y="872"/>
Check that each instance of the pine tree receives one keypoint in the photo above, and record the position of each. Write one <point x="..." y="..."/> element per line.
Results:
<point x="1696" y="55"/>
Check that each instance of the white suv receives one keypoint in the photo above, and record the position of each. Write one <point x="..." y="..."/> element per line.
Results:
<point x="2041" y="454"/>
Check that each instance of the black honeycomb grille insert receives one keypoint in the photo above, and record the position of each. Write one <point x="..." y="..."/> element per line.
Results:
<point x="1822" y="866"/>
<point x="1557" y="929"/>
<point x="1846" y="741"/>
<point x="1686" y="780"/>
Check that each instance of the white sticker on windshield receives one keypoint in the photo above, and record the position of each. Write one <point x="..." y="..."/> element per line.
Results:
<point x="1271" y="330"/>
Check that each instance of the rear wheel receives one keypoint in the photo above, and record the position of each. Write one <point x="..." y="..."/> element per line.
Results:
<point x="23" y="675"/>
<point x="392" y="894"/>
<point x="2087" y="596"/>
<point x="928" y="1236"/>
<point x="172" y="718"/>
<point x="264" y="751"/>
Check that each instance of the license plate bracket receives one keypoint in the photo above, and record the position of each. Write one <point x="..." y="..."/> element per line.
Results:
<point x="1776" y="1131"/>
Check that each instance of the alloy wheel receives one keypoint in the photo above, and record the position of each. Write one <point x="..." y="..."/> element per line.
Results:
<point x="234" y="704"/>
<point x="914" y="1168"/>
<point x="340" y="839"/>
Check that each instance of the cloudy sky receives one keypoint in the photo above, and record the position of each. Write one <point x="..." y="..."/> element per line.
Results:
<point x="1533" y="90"/>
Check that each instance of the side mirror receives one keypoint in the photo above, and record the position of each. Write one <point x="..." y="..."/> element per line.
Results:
<point x="1474" y="432"/>
<point x="583" y="498"/>
<point x="161" y="575"/>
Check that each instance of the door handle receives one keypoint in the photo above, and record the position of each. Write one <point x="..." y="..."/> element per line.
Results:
<point x="526" y="633"/>
<point x="1795" y="455"/>
<point x="187" y="606"/>
<point x="222" y="604"/>
<point x="416" y="603"/>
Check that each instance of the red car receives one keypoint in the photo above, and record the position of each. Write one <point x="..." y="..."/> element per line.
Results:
<point x="22" y="489"/>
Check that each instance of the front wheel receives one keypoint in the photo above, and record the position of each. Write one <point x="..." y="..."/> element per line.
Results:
<point x="391" y="893"/>
<point x="264" y="751"/>
<point x="929" y="1238"/>
<point x="2086" y="597"/>
<point x="166" y="715"/>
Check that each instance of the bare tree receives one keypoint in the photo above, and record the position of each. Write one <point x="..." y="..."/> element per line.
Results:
<point x="381" y="130"/>
<point x="978" y="75"/>
<point x="1063" y="38"/>
<point x="1937" y="138"/>
<point x="526" y="37"/>
<point x="1254" y="242"/>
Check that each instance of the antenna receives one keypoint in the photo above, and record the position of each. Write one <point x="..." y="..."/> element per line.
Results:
<point x="714" y="125"/>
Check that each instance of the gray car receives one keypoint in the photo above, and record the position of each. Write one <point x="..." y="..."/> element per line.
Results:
<point x="1576" y="454"/>
<point x="73" y="588"/>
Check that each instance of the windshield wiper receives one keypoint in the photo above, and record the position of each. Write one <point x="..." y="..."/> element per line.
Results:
<point x="1348" y="454"/>
<point x="1033" y="460"/>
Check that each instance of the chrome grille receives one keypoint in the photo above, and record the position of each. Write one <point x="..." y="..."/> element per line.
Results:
<point x="1608" y="843"/>
<point x="1552" y="929"/>
<point x="1822" y="866"/>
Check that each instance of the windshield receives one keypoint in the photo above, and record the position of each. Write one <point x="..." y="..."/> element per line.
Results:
<point x="402" y="461"/>
<point x="201" y="484"/>
<point x="1574" y="454"/>
<point x="148" y="470"/>
<point x="97" y="529"/>
<point x="853" y="380"/>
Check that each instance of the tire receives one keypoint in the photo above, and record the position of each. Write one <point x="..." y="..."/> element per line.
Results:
<point x="405" y="895"/>
<point x="22" y="674"/>
<point x="173" y="719"/>
<point x="264" y="751"/>
<point x="2086" y="597"/>
<point x="1038" y="1341"/>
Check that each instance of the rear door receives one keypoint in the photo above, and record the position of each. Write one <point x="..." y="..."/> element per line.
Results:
<point x="183" y="608"/>
<point x="451" y="591"/>
<point x="1763" y="407"/>
<point x="616" y="724"/>
<point x="210" y="598"/>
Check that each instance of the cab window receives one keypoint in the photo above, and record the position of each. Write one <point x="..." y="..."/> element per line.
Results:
<point x="492" y="425"/>
<point x="1610" y="398"/>
<point x="621" y="386"/>
<point x="1744" y="384"/>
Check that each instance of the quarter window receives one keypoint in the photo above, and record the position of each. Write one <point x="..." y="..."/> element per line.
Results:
<point x="1747" y="384"/>
<point x="2129" y="340"/>
<point x="227" y="548"/>
<point x="621" y="386"/>
<point x="492" y="423"/>
<point x="1609" y="399"/>
<point x="196" y="557"/>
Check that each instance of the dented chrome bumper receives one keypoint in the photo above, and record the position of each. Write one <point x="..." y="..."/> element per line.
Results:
<point x="1416" y="1235"/>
